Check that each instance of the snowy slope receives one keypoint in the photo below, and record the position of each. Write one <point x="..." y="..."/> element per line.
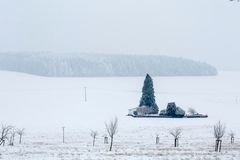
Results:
<point x="25" y="96"/>
<point x="43" y="105"/>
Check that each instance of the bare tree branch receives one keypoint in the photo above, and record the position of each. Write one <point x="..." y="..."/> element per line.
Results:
<point x="219" y="130"/>
<point x="5" y="131"/>
<point x="94" y="135"/>
<point x="111" y="128"/>
<point x="20" y="132"/>
<point x="176" y="133"/>
<point x="232" y="134"/>
<point x="12" y="134"/>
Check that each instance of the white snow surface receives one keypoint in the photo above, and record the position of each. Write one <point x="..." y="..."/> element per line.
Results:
<point x="43" y="105"/>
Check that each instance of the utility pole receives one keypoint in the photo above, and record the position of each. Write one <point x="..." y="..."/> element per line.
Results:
<point x="63" y="130"/>
<point x="85" y="93"/>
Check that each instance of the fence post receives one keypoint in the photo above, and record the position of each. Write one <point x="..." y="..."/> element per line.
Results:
<point x="63" y="134"/>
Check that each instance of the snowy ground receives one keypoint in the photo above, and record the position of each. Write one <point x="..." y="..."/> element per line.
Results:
<point x="43" y="105"/>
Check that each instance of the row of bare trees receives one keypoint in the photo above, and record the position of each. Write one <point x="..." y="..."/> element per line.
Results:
<point x="8" y="133"/>
<point x="112" y="126"/>
<point x="219" y="131"/>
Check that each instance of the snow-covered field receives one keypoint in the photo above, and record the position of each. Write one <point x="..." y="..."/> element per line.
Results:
<point x="43" y="105"/>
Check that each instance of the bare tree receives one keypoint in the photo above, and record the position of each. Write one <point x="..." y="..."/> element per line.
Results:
<point x="94" y="135"/>
<point x="12" y="134"/>
<point x="192" y="111"/>
<point x="232" y="136"/>
<point x="176" y="133"/>
<point x="111" y="128"/>
<point x="219" y="131"/>
<point x="5" y="131"/>
<point x="20" y="132"/>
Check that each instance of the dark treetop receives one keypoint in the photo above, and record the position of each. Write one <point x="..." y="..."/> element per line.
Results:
<point x="148" y="97"/>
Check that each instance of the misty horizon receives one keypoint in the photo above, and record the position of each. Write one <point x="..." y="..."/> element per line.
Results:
<point x="206" y="31"/>
<point x="220" y="67"/>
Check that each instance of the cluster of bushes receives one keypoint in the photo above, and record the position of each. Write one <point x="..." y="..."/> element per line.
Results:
<point x="148" y="106"/>
<point x="173" y="111"/>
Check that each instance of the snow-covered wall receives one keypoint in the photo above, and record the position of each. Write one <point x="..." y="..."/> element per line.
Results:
<point x="63" y="65"/>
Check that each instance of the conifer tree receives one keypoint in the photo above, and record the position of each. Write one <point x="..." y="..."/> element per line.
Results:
<point x="148" y="97"/>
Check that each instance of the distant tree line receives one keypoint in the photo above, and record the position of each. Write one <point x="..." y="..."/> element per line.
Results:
<point x="46" y="64"/>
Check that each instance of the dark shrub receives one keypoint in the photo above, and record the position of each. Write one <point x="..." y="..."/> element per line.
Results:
<point x="171" y="109"/>
<point x="135" y="113"/>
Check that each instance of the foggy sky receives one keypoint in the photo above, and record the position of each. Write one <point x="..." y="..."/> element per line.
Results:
<point x="205" y="30"/>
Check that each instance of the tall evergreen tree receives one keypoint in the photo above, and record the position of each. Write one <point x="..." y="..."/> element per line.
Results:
<point x="148" y="97"/>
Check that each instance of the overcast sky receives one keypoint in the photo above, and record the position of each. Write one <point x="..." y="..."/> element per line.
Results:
<point x="206" y="30"/>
